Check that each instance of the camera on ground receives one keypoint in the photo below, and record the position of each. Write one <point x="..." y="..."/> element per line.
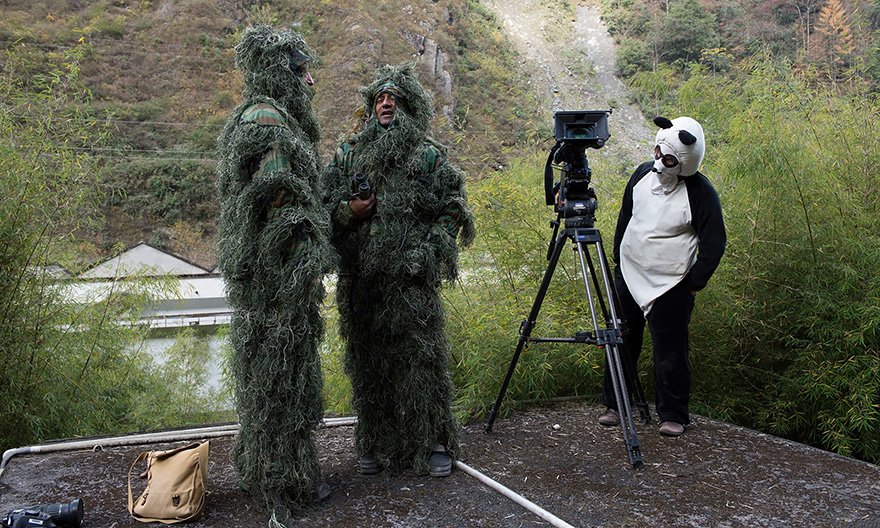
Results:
<point x="68" y="515"/>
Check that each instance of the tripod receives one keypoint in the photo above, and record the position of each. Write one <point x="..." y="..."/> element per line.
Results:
<point x="580" y="231"/>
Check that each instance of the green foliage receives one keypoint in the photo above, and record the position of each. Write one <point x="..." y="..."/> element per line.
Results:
<point x="792" y="324"/>
<point x="484" y="68"/>
<point x="623" y="18"/>
<point x="337" y="387"/>
<point x="654" y="89"/>
<point x="67" y="355"/>
<point x="183" y="396"/>
<point x="178" y="190"/>
<point x="633" y="56"/>
<point x="686" y="30"/>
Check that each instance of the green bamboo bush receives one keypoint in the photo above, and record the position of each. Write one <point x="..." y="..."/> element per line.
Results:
<point x="58" y="377"/>
<point x="337" y="387"/>
<point x="787" y="335"/>
<point x="69" y="367"/>
<point x="186" y="397"/>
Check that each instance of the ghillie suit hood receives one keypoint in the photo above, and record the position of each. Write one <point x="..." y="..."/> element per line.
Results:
<point x="273" y="249"/>
<point x="402" y="82"/>
<point x="411" y="171"/>
<point x="269" y="60"/>
<point x="391" y="269"/>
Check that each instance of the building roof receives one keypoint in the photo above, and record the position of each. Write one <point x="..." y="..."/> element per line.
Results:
<point x="143" y="259"/>
<point x="198" y="300"/>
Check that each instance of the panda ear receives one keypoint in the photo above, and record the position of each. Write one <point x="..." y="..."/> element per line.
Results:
<point x="686" y="137"/>
<point x="662" y="122"/>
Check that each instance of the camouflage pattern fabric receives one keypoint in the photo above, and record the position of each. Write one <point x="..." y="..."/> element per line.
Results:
<point x="273" y="248"/>
<point x="390" y="272"/>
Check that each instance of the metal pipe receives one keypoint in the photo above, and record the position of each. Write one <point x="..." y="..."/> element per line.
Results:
<point x="515" y="497"/>
<point x="216" y="431"/>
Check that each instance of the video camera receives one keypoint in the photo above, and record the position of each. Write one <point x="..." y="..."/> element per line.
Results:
<point x="572" y="196"/>
<point x="46" y="516"/>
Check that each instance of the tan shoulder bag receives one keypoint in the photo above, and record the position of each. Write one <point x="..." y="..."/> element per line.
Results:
<point x="176" y="485"/>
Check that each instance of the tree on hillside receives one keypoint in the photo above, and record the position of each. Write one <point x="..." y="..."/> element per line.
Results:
<point x="805" y="11"/>
<point x="834" y="42"/>
<point x="744" y="23"/>
<point x="683" y="33"/>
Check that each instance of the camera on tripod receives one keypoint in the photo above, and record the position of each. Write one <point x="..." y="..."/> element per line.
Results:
<point x="575" y="201"/>
<point x="46" y="516"/>
<point x="575" y="132"/>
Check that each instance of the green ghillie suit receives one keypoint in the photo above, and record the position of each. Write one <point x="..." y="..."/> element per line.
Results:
<point x="273" y="248"/>
<point x="390" y="272"/>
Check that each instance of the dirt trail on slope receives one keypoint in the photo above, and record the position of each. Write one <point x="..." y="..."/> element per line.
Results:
<point x="571" y="64"/>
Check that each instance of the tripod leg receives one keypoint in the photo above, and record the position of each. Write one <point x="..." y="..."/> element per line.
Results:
<point x="525" y="332"/>
<point x="492" y="414"/>
<point x="629" y="368"/>
<point x="630" y="440"/>
<point x="609" y="339"/>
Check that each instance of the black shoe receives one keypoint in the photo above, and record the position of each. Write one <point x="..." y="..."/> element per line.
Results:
<point x="440" y="464"/>
<point x="611" y="417"/>
<point x="369" y="465"/>
<point x="322" y="492"/>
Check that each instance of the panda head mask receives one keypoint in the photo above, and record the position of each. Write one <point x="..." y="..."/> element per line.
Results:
<point x="682" y="139"/>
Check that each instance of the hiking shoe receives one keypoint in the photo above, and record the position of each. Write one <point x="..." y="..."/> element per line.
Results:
<point x="440" y="464"/>
<point x="611" y="417"/>
<point x="671" y="429"/>
<point x="322" y="492"/>
<point x="369" y="465"/>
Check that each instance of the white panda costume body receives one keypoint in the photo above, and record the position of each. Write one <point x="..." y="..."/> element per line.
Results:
<point x="668" y="217"/>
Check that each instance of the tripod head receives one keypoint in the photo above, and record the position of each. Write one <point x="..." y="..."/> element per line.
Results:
<point x="572" y="196"/>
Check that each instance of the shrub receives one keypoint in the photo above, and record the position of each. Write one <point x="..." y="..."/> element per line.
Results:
<point x="793" y="325"/>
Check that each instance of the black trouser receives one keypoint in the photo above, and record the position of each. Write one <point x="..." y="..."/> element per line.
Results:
<point x="668" y="323"/>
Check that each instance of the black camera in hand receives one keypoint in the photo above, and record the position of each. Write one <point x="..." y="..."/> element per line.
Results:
<point x="46" y="516"/>
<point x="361" y="186"/>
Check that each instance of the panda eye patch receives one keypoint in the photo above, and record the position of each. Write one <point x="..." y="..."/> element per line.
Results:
<point x="668" y="160"/>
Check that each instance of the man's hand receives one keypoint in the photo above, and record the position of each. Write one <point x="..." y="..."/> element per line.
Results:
<point x="363" y="209"/>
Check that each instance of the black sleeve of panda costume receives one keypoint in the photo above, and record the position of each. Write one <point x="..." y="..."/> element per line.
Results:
<point x="626" y="206"/>
<point x="709" y="225"/>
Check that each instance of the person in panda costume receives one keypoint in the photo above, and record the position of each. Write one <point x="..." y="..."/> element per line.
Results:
<point x="669" y="240"/>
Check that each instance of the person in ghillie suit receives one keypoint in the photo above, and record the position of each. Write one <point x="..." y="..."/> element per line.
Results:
<point x="396" y="246"/>
<point x="273" y="247"/>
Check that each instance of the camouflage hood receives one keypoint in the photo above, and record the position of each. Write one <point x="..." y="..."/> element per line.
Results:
<point x="412" y="99"/>
<point x="270" y="61"/>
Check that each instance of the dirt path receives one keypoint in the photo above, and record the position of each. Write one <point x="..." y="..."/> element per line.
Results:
<point x="716" y="475"/>
<point x="572" y="66"/>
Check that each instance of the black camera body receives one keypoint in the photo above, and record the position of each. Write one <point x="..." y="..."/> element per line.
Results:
<point x="46" y="516"/>
<point x="361" y="186"/>
<point x="575" y="132"/>
<point x="588" y="128"/>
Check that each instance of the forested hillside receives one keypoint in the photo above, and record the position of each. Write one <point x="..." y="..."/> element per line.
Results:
<point x="162" y="75"/>
<point x="826" y="41"/>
